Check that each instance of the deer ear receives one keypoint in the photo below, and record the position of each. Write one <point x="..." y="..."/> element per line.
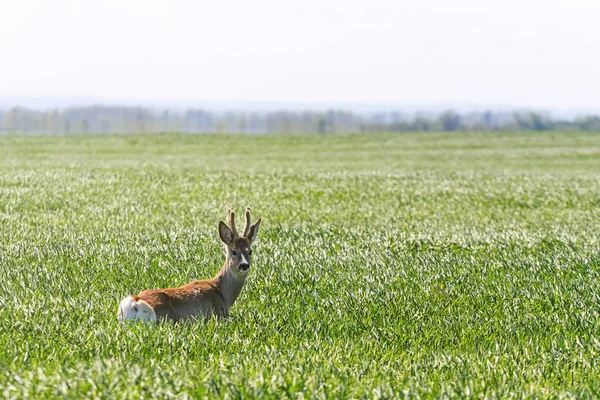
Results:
<point x="253" y="231"/>
<point x="225" y="233"/>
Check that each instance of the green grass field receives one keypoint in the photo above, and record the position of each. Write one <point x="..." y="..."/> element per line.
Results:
<point x="387" y="266"/>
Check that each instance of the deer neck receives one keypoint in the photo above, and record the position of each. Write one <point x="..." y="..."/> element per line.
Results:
<point x="229" y="283"/>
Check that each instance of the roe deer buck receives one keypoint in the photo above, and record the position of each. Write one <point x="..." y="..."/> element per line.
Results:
<point x="200" y="298"/>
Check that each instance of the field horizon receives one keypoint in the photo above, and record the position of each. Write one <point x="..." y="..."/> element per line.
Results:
<point x="387" y="265"/>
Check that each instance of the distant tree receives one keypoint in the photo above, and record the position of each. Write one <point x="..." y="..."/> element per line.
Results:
<point x="138" y="119"/>
<point x="67" y="125"/>
<point x="588" y="123"/>
<point x="538" y="122"/>
<point x="11" y="120"/>
<point x="487" y="119"/>
<point x="421" y="124"/>
<point x="105" y="125"/>
<point x="322" y="125"/>
<point x="532" y="121"/>
<point x="449" y="121"/>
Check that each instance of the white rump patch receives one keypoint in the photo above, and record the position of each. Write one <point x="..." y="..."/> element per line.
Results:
<point x="131" y="309"/>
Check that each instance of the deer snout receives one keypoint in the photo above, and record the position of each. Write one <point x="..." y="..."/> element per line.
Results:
<point x="244" y="267"/>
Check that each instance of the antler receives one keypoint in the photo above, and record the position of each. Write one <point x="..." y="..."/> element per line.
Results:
<point x="247" y="224"/>
<point x="231" y="221"/>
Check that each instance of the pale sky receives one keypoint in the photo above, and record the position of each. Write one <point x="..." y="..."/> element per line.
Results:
<point x="531" y="53"/>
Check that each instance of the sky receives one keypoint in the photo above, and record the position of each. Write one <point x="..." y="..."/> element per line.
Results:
<point x="526" y="53"/>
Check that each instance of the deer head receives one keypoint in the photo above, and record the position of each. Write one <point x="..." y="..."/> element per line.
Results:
<point x="238" y="249"/>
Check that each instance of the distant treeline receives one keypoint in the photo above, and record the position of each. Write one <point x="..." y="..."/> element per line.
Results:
<point x="103" y="119"/>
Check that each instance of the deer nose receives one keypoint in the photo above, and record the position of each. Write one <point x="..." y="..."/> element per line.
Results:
<point x="244" y="267"/>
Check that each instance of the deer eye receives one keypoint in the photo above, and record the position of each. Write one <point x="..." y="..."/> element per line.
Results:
<point x="234" y="253"/>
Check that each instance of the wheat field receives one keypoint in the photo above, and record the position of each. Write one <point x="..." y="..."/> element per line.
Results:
<point x="387" y="265"/>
